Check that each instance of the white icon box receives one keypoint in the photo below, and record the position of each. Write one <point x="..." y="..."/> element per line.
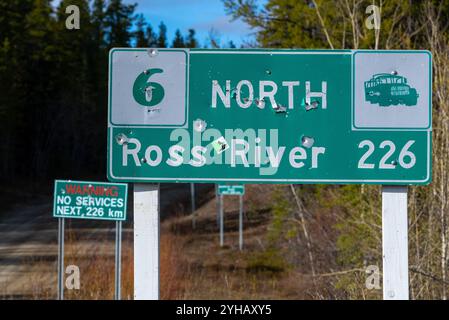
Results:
<point x="126" y="66"/>
<point x="380" y="75"/>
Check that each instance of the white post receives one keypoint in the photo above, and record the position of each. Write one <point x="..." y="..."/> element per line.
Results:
<point x="146" y="241"/>
<point x="395" y="243"/>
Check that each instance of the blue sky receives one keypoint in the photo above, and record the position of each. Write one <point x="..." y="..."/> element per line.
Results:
<point x="201" y="15"/>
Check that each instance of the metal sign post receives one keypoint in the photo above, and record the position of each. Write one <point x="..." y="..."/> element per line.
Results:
<point x="192" y="200"/>
<point x="146" y="241"/>
<point x="220" y="205"/>
<point x="395" y="243"/>
<point x="118" y="259"/>
<point x="241" y="223"/>
<point x="60" y="258"/>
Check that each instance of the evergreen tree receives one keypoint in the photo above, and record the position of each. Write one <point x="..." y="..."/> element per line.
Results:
<point x="178" y="41"/>
<point x="162" y="38"/>
<point x="151" y="37"/>
<point x="119" y="19"/>
<point x="141" y="37"/>
<point x="13" y="54"/>
<point x="191" y="42"/>
<point x="75" y="87"/>
<point x="144" y="35"/>
<point x="231" y="45"/>
<point x="98" y="22"/>
<point x="98" y="55"/>
<point x="39" y="81"/>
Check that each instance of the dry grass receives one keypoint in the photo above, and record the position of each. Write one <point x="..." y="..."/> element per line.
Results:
<point x="172" y="271"/>
<point x="97" y="269"/>
<point x="96" y="261"/>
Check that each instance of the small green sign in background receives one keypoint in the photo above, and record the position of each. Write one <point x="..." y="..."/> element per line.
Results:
<point x="90" y="200"/>
<point x="231" y="190"/>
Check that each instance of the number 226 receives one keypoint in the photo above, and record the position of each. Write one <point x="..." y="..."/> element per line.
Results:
<point x="406" y="159"/>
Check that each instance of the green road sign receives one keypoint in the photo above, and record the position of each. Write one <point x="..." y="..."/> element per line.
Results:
<point x="269" y="116"/>
<point x="90" y="200"/>
<point x="231" y="190"/>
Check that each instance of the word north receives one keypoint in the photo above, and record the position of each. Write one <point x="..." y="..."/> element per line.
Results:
<point x="268" y="90"/>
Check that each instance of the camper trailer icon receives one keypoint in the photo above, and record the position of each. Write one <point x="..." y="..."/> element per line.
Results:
<point x="387" y="90"/>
